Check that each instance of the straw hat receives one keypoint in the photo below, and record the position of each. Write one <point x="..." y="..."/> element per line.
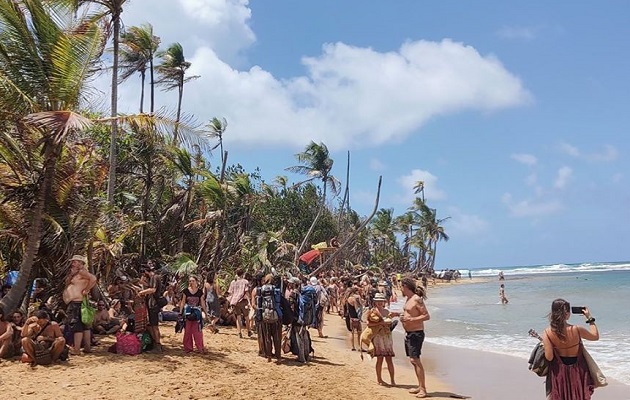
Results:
<point x="379" y="297"/>
<point x="313" y="281"/>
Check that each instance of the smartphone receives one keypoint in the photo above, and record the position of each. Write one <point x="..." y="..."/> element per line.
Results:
<point x="577" y="310"/>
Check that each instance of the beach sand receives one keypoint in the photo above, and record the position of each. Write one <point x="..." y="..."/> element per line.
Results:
<point x="232" y="369"/>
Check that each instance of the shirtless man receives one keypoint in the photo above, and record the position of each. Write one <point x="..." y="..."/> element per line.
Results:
<point x="414" y="314"/>
<point x="78" y="284"/>
<point x="6" y="337"/>
<point x="40" y="334"/>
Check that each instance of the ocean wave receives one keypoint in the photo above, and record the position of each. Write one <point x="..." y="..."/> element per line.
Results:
<point x="550" y="269"/>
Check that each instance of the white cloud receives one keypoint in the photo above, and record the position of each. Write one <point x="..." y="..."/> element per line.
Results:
<point x="569" y="149"/>
<point x="465" y="224"/>
<point x="618" y="177"/>
<point x="431" y="189"/>
<point x="337" y="101"/>
<point x="377" y="165"/>
<point x="518" y="32"/>
<point x="564" y="175"/>
<point x="531" y="208"/>
<point x="609" y="153"/>
<point x="526" y="159"/>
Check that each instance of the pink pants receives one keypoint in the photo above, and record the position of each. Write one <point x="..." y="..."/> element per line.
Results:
<point x="191" y="331"/>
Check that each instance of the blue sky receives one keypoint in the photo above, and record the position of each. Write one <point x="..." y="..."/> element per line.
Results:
<point x="515" y="115"/>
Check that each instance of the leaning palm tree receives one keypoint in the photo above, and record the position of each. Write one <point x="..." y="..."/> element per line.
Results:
<point x="44" y="67"/>
<point x="172" y="75"/>
<point x="138" y="48"/>
<point x="316" y="164"/>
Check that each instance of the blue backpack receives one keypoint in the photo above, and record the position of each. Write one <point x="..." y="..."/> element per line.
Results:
<point x="307" y="311"/>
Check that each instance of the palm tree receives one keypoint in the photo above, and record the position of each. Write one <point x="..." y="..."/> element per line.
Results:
<point x="217" y="128"/>
<point x="172" y="74"/>
<point x="316" y="164"/>
<point x="43" y="71"/>
<point x="113" y="9"/>
<point x="139" y="46"/>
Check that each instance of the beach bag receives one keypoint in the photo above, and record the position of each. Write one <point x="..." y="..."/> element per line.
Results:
<point x="538" y="364"/>
<point x="87" y="312"/>
<point x="599" y="380"/>
<point x="268" y="305"/>
<point x="128" y="344"/>
<point x="307" y="306"/>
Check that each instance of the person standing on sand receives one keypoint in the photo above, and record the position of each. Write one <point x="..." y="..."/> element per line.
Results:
<point x="78" y="284"/>
<point x="415" y="313"/>
<point x="504" y="299"/>
<point x="153" y="311"/>
<point x="569" y="377"/>
<point x="379" y="319"/>
<point x="239" y="301"/>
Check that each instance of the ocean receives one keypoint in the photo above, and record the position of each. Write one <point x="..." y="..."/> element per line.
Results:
<point x="471" y="316"/>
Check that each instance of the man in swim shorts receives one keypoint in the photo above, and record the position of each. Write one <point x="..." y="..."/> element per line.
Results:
<point x="78" y="284"/>
<point x="414" y="314"/>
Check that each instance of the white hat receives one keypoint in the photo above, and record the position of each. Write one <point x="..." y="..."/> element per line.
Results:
<point x="79" y="258"/>
<point x="313" y="281"/>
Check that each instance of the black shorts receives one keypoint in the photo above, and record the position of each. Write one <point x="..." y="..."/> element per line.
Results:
<point x="154" y="316"/>
<point x="413" y="344"/>
<point x="73" y="311"/>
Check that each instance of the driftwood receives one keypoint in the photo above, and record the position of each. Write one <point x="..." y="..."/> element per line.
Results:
<point x="330" y="259"/>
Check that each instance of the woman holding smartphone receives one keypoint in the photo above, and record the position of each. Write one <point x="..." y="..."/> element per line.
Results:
<point x="568" y="377"/>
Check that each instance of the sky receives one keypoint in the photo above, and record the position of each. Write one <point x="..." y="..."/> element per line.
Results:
<point x="514" y="114"/>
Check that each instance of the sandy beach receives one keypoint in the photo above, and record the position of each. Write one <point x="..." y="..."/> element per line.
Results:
<point x="231" y="369"/>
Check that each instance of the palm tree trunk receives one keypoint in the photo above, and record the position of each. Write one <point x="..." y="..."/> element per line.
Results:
<point x="111" y="182"/>
<point x="179" y="112"/>
<point x="142" y="75"/>
<point x="310" y="229"/>
<point x="145" y="207"/>
<point x="152" y="86"/>
<point x="356" y="233"/>
<point x="11" y="301"/>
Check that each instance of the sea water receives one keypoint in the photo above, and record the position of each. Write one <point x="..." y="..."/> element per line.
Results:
<point x="471" y="315"/>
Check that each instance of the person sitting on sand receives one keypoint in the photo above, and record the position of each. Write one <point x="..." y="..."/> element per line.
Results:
<point x="380" y="317"/>
<point x="17" y="322"/>
<point x="78" y="284"/>
<point x="103" y="323"/>
<point x="42" y="339"/>
<point x="415" y="313"/>
<point x="7" y="349"/>
<point x="226" y="317"/>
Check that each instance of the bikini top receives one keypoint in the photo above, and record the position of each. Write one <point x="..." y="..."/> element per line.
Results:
<point x="568" y="347"/>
